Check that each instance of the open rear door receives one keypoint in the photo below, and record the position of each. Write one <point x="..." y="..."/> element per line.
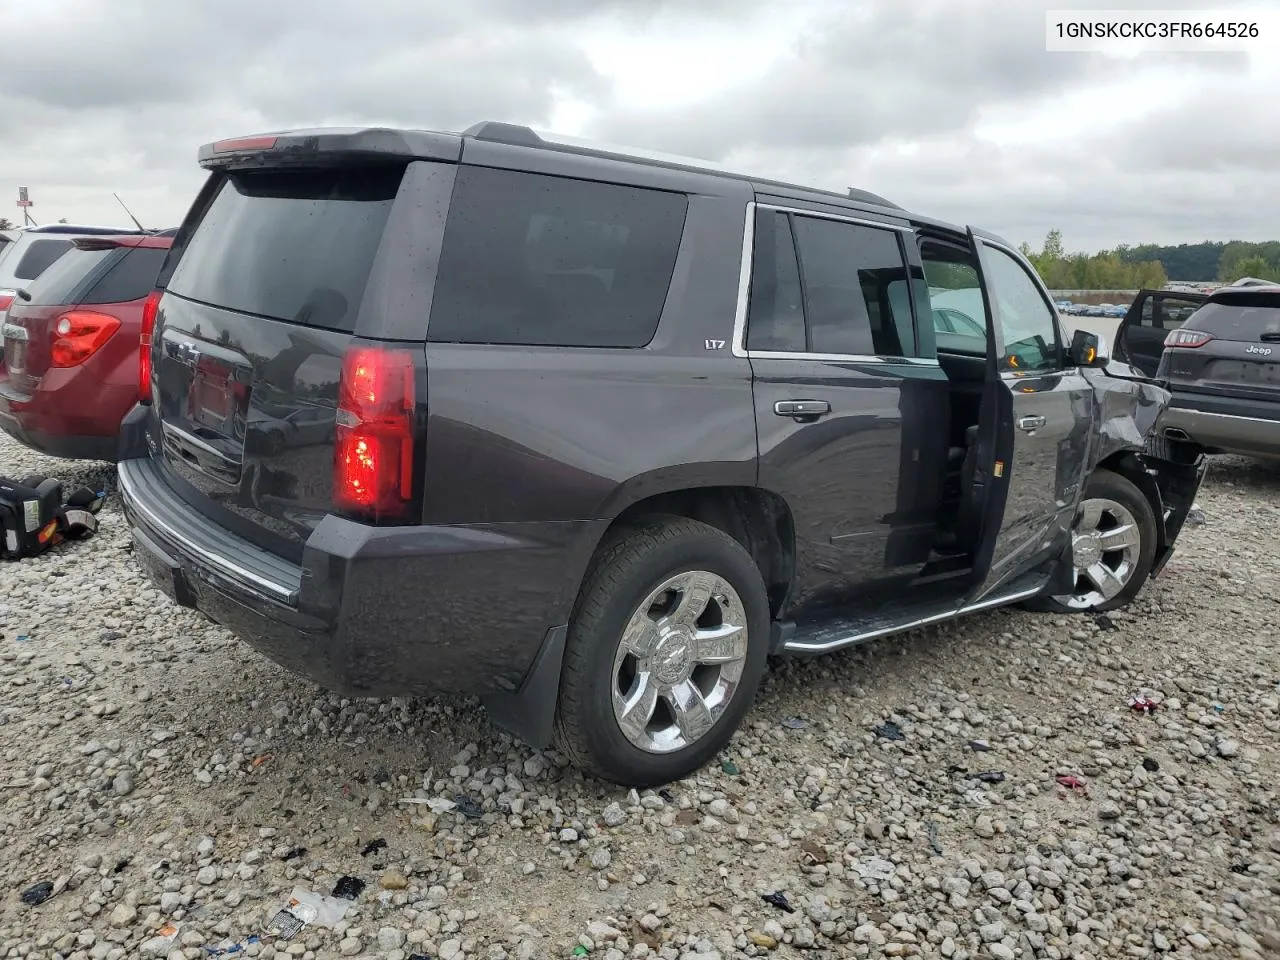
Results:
<point x="1034" y="430"/>
<point x="1154" y="313"/>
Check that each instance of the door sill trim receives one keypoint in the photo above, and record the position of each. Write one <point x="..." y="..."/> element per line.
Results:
<point x="840" y="643"/>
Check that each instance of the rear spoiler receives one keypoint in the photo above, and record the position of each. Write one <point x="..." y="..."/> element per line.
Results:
<point x="329" y="147"/>
<point x="116" y="242"/>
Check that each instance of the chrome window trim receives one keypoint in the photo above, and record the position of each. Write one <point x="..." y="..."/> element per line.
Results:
<point x="744" y="293"/>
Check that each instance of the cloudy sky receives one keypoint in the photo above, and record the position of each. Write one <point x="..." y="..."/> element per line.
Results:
<point x="949" y="107"/>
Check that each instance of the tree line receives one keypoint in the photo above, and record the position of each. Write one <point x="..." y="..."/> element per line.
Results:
<point x="1151" y="265"/>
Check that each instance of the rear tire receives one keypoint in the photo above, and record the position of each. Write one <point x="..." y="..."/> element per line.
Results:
<point x="1113" y="547"/>
<point x="664" y="655"/>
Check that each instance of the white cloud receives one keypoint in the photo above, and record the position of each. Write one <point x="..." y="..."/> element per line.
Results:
<point x="949" y="107"/>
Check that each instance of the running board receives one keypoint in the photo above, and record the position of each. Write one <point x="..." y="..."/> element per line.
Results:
<point x="836" y="634"/>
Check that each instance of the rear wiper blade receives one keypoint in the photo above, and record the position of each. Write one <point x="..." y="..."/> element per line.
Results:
<point x="1270" y="337"/>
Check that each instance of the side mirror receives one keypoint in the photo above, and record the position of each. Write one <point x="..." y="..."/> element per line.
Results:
<point x="1088" y="350"/>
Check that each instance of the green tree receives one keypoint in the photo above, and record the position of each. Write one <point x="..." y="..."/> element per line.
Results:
<point x="5" y="224"/>
<point x="1254" y="266"/>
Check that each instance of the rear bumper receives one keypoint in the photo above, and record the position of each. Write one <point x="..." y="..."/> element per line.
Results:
<point x="1224" y="424"/>
<point x="369" y="611"/>
<point x="56" y="444"/>
<point x="71" y="415"/>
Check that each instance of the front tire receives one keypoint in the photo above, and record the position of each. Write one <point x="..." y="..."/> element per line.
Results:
<point x="664" y="655"/>
<point x="1113" y="546"/>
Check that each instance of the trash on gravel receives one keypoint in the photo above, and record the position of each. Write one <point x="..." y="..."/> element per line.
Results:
<point x="373" y="846"/>
<point x="889" y="731"/>
<point x="469" y="808"/>
<point x="778" y="899"/>
<point x="23" y="637"/>
<point x="580" y="951"/>
<point x="979" y="746"/>
<point x="437" y="805"/>
<point x="794" y="723"/>
<point x="1073" y="783"/>
<point x="666" y="795"/>
<point x="1151" y="766"/>
<point x="875" y="869"/>
<point x="729" y="767"/>
<point x="989" y="776"/>
<point x="261" y="759"/>
<point x="1143" y="705"/>
<point x="158" y="946"/>
<point x="1104" y="622"/>
<point x="239" y="947"/>
<point x="1195" y="516"/>
<point x="348" y="888"/>
<point x="37" y="893"/>
<point x="306" y="909"/>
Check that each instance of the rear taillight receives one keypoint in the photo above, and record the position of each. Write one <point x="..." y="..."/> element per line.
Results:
<point x="373" y="450"/>
<point x="6" y="298"/>
<point x="78" y="335"/>
<point x="149" y="310"/>
<point x="1186" y="338"/>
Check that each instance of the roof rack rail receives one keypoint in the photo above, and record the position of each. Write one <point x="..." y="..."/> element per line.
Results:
<point x="524" y="136"/>
<point x="499" y="132"/>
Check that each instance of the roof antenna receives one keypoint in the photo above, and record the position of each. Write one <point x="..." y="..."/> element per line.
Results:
<point x="130" y="212"/>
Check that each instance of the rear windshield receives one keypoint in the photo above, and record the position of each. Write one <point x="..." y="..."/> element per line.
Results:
<point x="111" y="275"/>
<point x="294" y="245"/>
<point x="1238" y="316"/>
<point x="38" y="258"/>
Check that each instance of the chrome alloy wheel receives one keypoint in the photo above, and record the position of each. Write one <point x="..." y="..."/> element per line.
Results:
<point x="1106" y="543"/>
<point x="679" y="662"/>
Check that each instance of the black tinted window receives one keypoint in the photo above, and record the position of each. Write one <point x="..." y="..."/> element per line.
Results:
<point x="131" y="278"/>
<point x="531" y="259"/>
<point x="38" y="257"/>
<point x="851" y="301"/>
<point x="67" y="278"/>
<point x="776" y="318"/>
<point x="1239" y="316"/>
<point x="292" y="245"/>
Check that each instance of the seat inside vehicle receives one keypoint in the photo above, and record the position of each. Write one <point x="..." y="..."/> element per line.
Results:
<point x="960" y="326"/>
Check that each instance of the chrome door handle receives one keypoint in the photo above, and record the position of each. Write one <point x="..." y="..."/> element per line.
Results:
<point x="802" y="410"/>
<point x="1031" y="424"/>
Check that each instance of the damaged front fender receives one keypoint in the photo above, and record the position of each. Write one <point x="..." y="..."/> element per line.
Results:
<point x="1168" y="472"/>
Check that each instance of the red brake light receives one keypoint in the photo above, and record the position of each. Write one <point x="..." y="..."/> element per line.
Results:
<point x="78" y="335"/>
<point x="245" y="143"/>
<point x="6" y="298"/>
<point x="149" y="310"/>
<point x="373" y="449"/>
<point x="1186" y="338"/>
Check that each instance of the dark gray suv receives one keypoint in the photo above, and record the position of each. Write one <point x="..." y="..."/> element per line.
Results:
<point x="593" y="435"/>
<point x="1223" y="367"/>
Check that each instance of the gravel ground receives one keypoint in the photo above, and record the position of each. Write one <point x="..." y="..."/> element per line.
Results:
<point x="156" y="772"/>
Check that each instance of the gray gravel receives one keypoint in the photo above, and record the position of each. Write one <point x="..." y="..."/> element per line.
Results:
<point x="156" y="772"/>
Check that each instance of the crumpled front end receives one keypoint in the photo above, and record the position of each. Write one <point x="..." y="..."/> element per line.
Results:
<point x="1168" y="471"/>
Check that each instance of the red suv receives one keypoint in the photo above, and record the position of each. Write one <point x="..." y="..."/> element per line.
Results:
<point x="69" y="370"/>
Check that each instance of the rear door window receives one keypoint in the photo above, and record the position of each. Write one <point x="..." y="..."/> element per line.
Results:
<point x="132" y="277"/>
<point x="39" y="257"/>
<point x="67" y="278"/>
<point x="848" y="272"/>
<point x="1239" y="316"/>
<point x="775" y="320"/>
<point x="293" y="245"/>
<point x="547" y="261"/>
